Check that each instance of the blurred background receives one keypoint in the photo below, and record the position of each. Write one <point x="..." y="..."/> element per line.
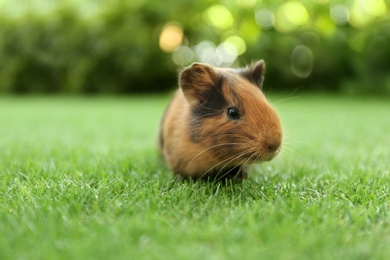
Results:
<point x="118" y="46"/>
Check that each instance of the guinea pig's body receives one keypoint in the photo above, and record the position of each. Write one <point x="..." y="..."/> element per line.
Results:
<point x="218" y="122"/>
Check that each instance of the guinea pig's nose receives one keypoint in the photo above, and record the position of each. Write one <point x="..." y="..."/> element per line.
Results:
<point x="272" y="145"/>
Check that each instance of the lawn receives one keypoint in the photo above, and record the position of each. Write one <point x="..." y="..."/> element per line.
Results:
<point x="81" y="179"/>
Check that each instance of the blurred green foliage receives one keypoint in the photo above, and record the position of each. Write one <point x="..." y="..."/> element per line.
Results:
<point x="120" y="46"/>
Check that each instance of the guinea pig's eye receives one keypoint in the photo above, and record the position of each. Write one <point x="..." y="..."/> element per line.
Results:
<point x="233" y="113"/>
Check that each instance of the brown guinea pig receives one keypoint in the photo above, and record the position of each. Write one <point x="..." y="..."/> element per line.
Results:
<point x="218" y="122"/>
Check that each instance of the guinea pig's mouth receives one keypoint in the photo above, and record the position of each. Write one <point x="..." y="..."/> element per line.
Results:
<point x="265" y="157"/>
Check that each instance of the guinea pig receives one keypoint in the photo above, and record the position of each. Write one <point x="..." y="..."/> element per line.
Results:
<point x="219" y="122"/>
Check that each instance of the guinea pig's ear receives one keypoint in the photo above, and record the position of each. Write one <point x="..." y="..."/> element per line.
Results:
<point x="196" y="81"/>
<point x="255" y="73"/>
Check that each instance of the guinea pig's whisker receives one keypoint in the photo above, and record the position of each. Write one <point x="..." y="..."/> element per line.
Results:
<point x="200" y="117"/>
<point x="213" y="112"/>
<point x="229" y="159"/>
<point x="245" y="164"/>
<point x="290" y="149"/>
<point x="284" y="100"/>
<point x="209" y="148"/>
<point x="289" y="156"/>
<point x="226" y="173"/>
<point x="295" y="149"/>
<point x="287" y="140"/>
<point x="209" y="108"/>
<point x="239" y="170"/>
<point x="232" y="159"/>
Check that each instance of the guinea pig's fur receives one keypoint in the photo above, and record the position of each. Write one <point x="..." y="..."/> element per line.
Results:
<point x="218" y="122"/>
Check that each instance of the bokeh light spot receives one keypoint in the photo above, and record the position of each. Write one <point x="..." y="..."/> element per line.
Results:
<point x="182" y="55"/>
<point x="374" y="7"/>
<point x="219" y="16"/>
<point x="265" y="18"/>
<point x="238" y="43"/>
<point x="302" y="61"/>
<point x="322" y="2"/>
<point x="247" y="4"/>
<point x="205" y="51"/>
<point x="364" y="12"/>
<point x="295" y="12"/>
<point x="325" y="26"/>
<point x="250" y="31"/>
<point x="225" y="54"/>
<point x="171" y="37"/>
<point x="340" y="14"/>
<point x="290" y="15"/>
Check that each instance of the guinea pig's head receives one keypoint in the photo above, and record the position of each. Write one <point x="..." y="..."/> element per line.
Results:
<point x="230" y="116"/>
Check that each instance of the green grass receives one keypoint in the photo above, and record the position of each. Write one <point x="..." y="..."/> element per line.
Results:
<point x="80" y="179"/>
